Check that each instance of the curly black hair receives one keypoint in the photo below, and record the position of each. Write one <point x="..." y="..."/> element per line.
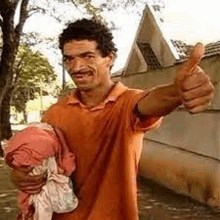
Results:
<point x="86" y="29"/>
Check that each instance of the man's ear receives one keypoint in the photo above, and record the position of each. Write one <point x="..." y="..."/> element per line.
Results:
<point x="111" y="59"/>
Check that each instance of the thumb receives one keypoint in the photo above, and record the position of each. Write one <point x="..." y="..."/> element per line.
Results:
<point x="194" y="58"/>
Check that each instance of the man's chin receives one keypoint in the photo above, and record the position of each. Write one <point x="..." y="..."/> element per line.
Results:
<point x="84" y="87"/>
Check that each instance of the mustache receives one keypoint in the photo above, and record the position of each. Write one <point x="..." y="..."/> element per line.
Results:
<point x="81" y="72"/>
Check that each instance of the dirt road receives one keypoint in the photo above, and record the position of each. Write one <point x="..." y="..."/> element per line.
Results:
<point x="155" y="202"/>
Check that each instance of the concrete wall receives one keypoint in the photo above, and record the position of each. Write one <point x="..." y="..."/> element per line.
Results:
<point x="183" y="154"/>
<point x="137" y="63"/>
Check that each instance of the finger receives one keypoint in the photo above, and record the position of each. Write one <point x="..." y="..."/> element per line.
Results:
<point x="198" y="102"/>
<point x="198" y="92"/>
<point x="198" y="78"/>
<point x="32" y="189"/>
<point x="26" y="169"/>
<point x="198" y="109"/>
<point x="20" y="178"/>
<point x="194" y="58"/>
<point x="37" y="177"/>
<point x="24" y="177"/>
<point x="31" y="183"/>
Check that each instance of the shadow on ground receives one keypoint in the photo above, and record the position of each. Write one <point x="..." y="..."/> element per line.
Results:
<point x="159" y="203"/>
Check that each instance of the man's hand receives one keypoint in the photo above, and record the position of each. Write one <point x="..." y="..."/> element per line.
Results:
<point x="27" y="183"/>
<point x="192" y="88"/>
<point x="193" y="85"/>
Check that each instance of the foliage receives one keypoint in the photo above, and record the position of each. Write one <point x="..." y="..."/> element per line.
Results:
<point x="69" y="87"/>
<point x="33" y="74"/>
<point x="111" y="5"/>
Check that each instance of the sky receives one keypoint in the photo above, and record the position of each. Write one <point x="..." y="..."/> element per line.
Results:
<point x="188" y="20"/>
<point x="193" y="20"/>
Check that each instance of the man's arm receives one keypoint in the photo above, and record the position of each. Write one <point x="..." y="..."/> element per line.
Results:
<point x="160" y="101"/>
<point x="191" y="87"/>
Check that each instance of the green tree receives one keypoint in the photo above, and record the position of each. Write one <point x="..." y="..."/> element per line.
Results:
<point x="11" y="34"/>
<point x="32" y="75"/>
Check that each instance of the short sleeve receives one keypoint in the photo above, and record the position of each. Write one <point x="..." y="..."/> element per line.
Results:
<point x="140" y="122"/>
<point x="51" y="115"/>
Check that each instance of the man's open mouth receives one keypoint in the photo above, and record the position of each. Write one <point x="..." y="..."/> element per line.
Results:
<point x="82" y="75"/>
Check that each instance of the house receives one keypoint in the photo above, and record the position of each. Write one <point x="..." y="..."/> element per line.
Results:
<point x="184" y="153"/>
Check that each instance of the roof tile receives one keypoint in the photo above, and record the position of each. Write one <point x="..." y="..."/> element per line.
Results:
<point x="211" y="49"/>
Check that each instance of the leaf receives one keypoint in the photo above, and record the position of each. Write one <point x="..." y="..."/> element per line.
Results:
<point x="35" y="73"/>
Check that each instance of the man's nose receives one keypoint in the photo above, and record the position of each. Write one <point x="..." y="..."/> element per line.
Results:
<point x="77" y="64"/>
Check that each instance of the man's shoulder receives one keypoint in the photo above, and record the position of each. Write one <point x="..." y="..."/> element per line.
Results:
<point x="61" y="102"/>
<point x="60" y="105"/>
<point x="130" y="92"/>
<point x="134" y="90"/>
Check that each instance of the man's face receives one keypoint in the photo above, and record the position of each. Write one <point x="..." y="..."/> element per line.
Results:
<point x="85" y="64"/>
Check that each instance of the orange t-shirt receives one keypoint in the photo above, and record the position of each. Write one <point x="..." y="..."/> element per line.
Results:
<point x="107" y="142"/>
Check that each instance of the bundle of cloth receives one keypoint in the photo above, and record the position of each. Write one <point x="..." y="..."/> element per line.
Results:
<point x="44" y="148"/>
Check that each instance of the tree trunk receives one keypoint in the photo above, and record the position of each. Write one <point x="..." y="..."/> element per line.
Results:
<point x="1" y="151"/>
<point x="11" y="39"/>
<point x="5" y="113"/>
<point x="9" y="51"/>
<point x="25" y="116"/>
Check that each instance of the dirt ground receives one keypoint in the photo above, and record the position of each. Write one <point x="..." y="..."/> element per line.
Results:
<point x="159" y="203"/>
<point x="155" y="202"/>
<point x="8" y="207"/>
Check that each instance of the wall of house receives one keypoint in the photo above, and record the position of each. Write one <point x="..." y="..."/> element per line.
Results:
<point x="137" y="63"/>
<point x="150" y="31"/>
<point x="183" y="154"/>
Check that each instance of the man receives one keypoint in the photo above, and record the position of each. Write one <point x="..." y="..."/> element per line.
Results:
<point x="104" y="122"/>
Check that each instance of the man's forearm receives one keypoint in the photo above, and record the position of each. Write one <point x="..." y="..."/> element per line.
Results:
<point x="160" y="101"/>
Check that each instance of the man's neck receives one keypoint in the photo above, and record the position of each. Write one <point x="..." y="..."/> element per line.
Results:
<point x="92" y="98"/>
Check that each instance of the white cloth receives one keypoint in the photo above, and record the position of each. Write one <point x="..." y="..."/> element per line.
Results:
<point x="56" y="195"/>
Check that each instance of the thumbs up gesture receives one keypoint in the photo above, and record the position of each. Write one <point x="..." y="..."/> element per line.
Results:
<point x="193" y="85"/>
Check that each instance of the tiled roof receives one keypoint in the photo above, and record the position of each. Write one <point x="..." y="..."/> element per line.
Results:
<point x="182" y="49"/>
<point x="211" y="49"/>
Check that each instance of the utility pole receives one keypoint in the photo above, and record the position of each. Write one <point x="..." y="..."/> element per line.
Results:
<point x="41" y="99"/>
<point x="64" y="77"/>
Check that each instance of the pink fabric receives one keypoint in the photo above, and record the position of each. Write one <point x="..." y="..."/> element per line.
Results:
<point x="34" y="144"/>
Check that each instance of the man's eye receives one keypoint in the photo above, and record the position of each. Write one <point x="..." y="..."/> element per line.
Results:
<point x="67" y="59"/>
<point x="89" y="56"/>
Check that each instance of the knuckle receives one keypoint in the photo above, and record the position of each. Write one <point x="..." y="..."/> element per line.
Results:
<point x="212" y="87"/>
<point x="185" y="96"/>
<point x="188" y="105"/>
<point x="203" y="79"/>
<point x="212" y="95"/>
<point x="192" y="111"/>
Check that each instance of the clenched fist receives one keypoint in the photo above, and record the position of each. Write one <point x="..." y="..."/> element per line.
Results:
<point x="193" y="85"/>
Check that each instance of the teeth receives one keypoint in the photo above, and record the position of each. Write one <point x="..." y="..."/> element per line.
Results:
<point x="84" y="75"/>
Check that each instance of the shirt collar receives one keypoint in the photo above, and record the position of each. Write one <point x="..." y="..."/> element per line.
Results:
<point x="117" y="90"/>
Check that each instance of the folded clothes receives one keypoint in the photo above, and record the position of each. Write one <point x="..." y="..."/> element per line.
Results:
<point x="44" y="147"/>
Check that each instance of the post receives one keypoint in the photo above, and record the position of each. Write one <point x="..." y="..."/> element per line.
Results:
<point x="64" y="78"/>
